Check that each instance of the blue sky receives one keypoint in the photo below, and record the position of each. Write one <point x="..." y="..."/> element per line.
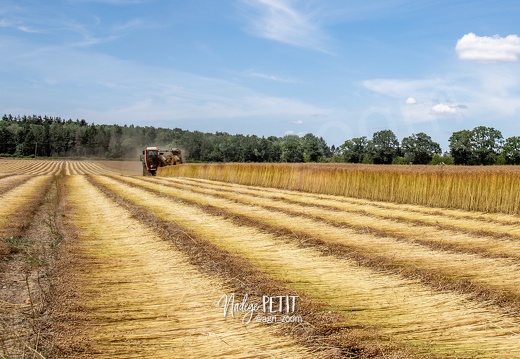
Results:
<point x="336" y="68"/>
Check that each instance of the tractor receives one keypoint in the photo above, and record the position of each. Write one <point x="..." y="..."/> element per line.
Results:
<point x="153" y="158"/>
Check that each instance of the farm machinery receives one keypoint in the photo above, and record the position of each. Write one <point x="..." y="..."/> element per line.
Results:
<point x="153" y="158"/>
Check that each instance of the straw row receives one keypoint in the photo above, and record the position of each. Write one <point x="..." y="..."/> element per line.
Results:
<point x="50" y="167"/>
<point x="8" y="182"/>
<point x="443" y="323"/>
<point x="496" y="277"/>
<point x="19" y="202"/>
<point x="423" y="214"/>
<point x="138" y="297"/>
<point x="30" y="167"/>
<point x="439" y="231"/>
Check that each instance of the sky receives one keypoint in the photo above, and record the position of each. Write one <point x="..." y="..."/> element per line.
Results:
<point x="335" y="68"/>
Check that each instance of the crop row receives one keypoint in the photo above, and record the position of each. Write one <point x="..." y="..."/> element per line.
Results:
<point x="51" y="167"/>
<point x="370" y="236"/>
<point x="433" y="300"/>
<point x="497" y="238"/>
<point x="135" y="295"/>
<point x="19" y="201"/>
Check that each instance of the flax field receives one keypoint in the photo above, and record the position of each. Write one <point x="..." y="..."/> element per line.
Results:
<point x="101" y="262"/>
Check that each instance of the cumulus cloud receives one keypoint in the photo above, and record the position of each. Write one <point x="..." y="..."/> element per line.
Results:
<point x="411" y="101"/>
<point x="488" y="49"/>
<point x="445" y="109"/>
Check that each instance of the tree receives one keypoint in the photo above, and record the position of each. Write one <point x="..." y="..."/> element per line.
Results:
<point x="312" y="148"/>
<point x="419" y="148"/>
<point x="487" y="144"/>
<point x="511" y="150"/>
<point x="480" y="146"/>
<point x="292" y="149"/>
<point x="274" y="149"/>
<point x="383" y="147"/>
<point x="354" y="150"/>
<point x="461" y="149"/>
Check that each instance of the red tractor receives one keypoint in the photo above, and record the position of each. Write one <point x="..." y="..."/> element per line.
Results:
<point x="153" y="158"/>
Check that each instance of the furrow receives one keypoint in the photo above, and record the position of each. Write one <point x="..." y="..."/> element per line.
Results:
<point x="386" y="226"/>
<point x="447" y="324"/>
<point x="492" y="224"/>
<point x="137" y="296"/>
<point x="491" y="278"/>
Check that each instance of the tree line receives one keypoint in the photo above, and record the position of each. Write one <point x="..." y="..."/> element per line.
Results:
<point x="47" y="136"/>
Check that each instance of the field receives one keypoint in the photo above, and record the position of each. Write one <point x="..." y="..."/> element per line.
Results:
<point x="98" y="261"/>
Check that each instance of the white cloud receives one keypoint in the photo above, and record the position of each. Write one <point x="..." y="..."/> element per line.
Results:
<point x="488" y="49"/>
<point x="411" y="101"/>
<point x="444" y="109"/>
<point x="281" y="21"/>
<point x="296" y="122"/>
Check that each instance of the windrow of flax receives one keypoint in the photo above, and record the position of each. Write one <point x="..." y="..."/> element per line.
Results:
<point x="487" y="189"/>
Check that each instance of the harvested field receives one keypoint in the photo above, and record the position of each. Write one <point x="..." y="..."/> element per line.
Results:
<point x="140" y="264"/>
<point x="139" y="297"/>
<point x="68" y="167"/>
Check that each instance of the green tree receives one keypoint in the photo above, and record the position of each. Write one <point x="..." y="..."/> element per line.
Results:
<point x="511" y="150"/>
<point x="480" y="146"/>
<point x="354" y="150"/>
<point x="442" y="160"/>
<point x="292" y="149"/>
<point x="312" y="148"/>
<point x="274" y="149"/>
<point x="487" y="144"/>
<point x="461" y="148"/>
<point x="383" y="147"/>
<point x="419" y="148"/>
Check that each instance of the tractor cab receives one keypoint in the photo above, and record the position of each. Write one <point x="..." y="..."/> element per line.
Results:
<point x="151" y="161"/>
